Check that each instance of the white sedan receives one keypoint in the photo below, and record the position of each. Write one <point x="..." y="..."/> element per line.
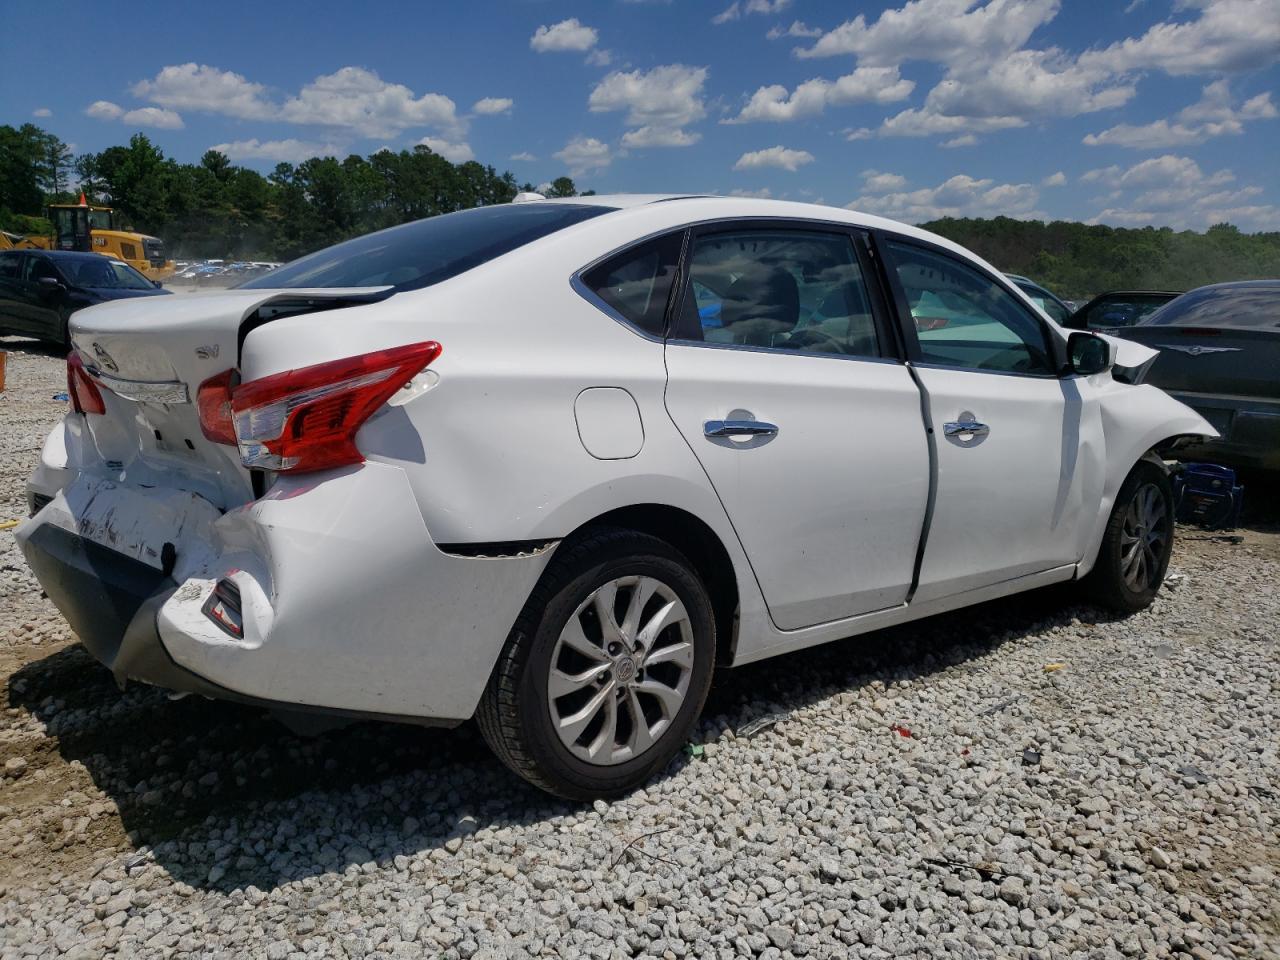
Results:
<point x="549" y="463"/>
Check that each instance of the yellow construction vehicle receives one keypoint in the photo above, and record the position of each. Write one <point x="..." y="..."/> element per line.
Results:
<point x="92" y="229"/>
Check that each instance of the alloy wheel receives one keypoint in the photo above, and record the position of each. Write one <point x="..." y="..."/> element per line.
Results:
<point x="620" y="670"/>
<point x="1143" y="538"/>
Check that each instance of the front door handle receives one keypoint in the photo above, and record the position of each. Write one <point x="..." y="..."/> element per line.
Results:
<point x="739" y="428"/>
<point x="965" y="429"/>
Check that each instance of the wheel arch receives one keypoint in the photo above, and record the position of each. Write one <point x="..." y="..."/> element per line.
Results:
<point x="703" y="547"/>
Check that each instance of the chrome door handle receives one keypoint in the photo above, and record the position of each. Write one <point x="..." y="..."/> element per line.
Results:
<point x="958" y="428"/>
<point x="739" y="428"/>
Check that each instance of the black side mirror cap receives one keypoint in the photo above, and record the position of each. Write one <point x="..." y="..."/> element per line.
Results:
<point x="1088" y="353"/>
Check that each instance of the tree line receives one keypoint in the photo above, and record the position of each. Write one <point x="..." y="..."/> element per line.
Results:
<point x="1076" y="260"/>
<point x="215" y="208"/>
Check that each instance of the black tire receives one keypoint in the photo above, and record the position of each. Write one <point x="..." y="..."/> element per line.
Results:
<point x="514" y="714"/>
<point x="1107" y="583"/>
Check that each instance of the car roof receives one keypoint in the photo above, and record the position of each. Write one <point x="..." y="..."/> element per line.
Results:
<point x="709" y="206"/>
<point x="1140" y="293"/>
<point x="1247" y="284"/>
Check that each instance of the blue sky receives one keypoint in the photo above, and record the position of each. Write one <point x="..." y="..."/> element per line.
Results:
<point x="1127" y="113"/>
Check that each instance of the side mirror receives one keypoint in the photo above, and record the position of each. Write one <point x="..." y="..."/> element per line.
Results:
<point x="49" y="283"/>
<point x="1088" y="353"/>
<point x="156" y="284"/>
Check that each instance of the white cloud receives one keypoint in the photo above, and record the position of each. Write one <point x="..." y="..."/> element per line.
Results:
<point x="42" y="112"/>
<point x="1211" y="116"/>
<point x="939" y="30"/>
<point x="764" y="193"/>
<point x="660" y="137"/>
<point x="199" y="87"/>
<point x="859" y="133"/>
<point x="1175" y="191"/>
<point x="731" y="12"/>
<point x="359" y="100"/>
<point x="156" y="117"/>
<point x="1054" y="180"/>
<point x="567" y="35"/>
<point x="282" y="151"/>
<point x="493" y="105"/>
<point x="873" y="181"/>
<point x="659" y="102"/>
<point x="1228" y="36"/>
<point x="967" y="140"/>
<point x="798" y="28"/>
<point x="599" y="58"/>
<point x="924" y="123"/>
<point x="583" y="154"/>
<point x="104" y="110"/>
<point x="865" y="84"/>
<point x="453" y="152"/>
<point x="524" y="156"/>
<point x="738" y="9"/>
<point x="781" y="157"/>
<point x="958" y="196"/>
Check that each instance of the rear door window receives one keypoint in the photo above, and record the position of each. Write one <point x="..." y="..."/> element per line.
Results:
<point x="791" y="291"/>
<point x="9" y="265"/>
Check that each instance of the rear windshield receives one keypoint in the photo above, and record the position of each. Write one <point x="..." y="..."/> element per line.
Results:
<point x="1240" y="306"/>
<point x="418" y="254"/>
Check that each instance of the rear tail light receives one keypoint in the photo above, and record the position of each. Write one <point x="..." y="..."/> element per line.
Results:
<point x="307" y="419"/>
<point x="84" y="393"/>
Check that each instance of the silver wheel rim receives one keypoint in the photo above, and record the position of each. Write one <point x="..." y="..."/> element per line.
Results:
<point x="620" y="670"/>
<point x="1143" y="538"/>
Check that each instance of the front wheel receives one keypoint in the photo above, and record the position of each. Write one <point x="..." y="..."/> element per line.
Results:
<point x="1137" y="544"/>
<point x="607" y="669"/>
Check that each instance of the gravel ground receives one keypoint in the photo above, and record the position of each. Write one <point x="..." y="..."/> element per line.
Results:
<point x="1024" y="779"/>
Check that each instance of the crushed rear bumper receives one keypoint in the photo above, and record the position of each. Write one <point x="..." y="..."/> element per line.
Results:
<point x="348" y="606"/>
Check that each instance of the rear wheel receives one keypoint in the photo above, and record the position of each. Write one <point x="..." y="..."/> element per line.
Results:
<point x="1137" y="544"/>
<point x="607" y="669"/>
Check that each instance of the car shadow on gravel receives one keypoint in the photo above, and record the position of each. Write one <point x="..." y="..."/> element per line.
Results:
<point x="37" y="348"/>
<point x="224" y="796"/>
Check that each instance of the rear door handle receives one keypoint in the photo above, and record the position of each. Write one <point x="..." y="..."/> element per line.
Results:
<point x="739" y="428"/>
<point x="965" y="429"/>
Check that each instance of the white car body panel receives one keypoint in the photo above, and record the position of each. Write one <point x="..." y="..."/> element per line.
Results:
<point x="389" y="588"/>
<point x="835" y="540"/>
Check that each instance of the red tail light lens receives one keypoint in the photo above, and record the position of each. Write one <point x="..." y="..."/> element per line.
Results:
<point x="307" y="419"/>
<point x="84" y="393"/>
<point x="213" y="401"/>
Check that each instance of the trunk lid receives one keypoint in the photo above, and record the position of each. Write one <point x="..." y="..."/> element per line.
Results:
<point x="1213" y="360"/>
<point x="152" y="354"/>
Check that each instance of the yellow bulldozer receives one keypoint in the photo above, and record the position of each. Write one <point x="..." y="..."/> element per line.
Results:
<point x="88" y="228"/>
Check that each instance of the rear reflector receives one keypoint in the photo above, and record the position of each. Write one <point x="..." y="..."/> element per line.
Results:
<point x="307" y="419"/>
<point x="223" y="608"/>
<point x="84" y="393"/>
<point x="213" y="401"/>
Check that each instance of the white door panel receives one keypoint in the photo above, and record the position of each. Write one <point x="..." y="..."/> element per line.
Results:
<point x="1016" y="500"/>
<point x="830" y="508"/>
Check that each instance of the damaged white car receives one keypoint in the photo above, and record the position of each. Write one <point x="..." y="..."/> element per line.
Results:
<point x="548" y="464"/>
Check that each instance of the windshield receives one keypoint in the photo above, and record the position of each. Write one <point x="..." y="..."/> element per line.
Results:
<point x="1248" y="305"/>
<point x="424" y="252"/>
<point x="100" y="273"/>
